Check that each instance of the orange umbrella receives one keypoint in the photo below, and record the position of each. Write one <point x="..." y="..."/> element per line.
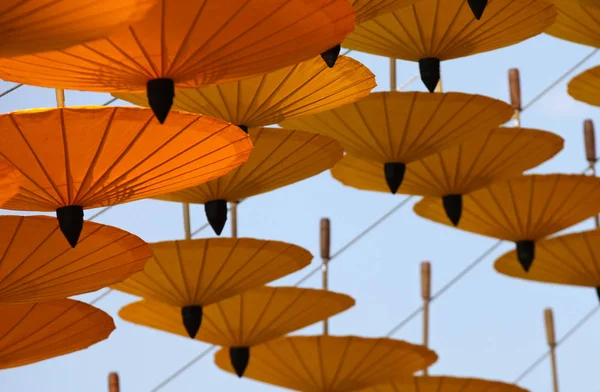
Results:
<point x="190" y="44"/>
<point x="295" y="91"/>
<point x="10" y="181"/>
<point x="585" y="87"/>
<point x="192" y="274"/>
<point x="246" y="320"/>
<point x="34" y="332"/>
<point x="431" y="31"/>
<point x="280" y="157"/>
<point x="396" y="128"/>
<point x="444" y="384"/>
<point x="524" y="209"/>
<point x="453" y="172"/>
<point x="33" y="26"/>
<point x="331" y="363"/>
<point x="76" y="158"/>
<point x="577" y="21"/>
<point x="38" y="265"/>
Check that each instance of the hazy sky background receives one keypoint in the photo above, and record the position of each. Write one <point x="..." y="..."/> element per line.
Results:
<point x="487" y="326"/>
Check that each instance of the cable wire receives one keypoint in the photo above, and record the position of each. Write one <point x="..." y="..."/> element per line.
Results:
<point x="10" y="90"/>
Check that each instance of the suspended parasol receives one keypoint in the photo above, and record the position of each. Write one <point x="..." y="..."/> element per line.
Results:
<point x="246" y="320"/>
<point x="76" y="158"/>
<point x="572" y="259"/>
<point x="30" y="26"/>
<point x="577" y="21"/>
<point x="191" y="274"/>
<point x="298" y="90"/>
<point x="451" y="173"/>
<point x="431" y="31"/>
<point x="10" y="181"/>
<point x="280" y="157"/>
<point x="331" y="363"/>
<point x="524" y="209"/>
<point x="38" y="265"/>
<point x="585" y="87"/>
<point x="396" y="128"/>
<point x="445" y="384"/>
<point x="34" y="332"/>
<point x="191" y="44"/>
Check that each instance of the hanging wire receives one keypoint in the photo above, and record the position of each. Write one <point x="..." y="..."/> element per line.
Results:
<point x="10" y="90"/>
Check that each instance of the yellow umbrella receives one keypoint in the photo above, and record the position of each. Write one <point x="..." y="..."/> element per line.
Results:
<point x="246" y="320"/>
<point x="331" y="363"/>
<point x="280" y="157"/>
<point x="577" y="22"/>
<point x="572" y="259"/>
<point x="431" y="31"/>
<point x="453" y="172"/>
<point x="396" y="128"/>
<point x="585" y="87"/>
<point x="524" y="209"/>
<point x="298" y="90"/>
<point x="191" y="274"/>
<point x="444" y="384"/>
<point x="10" y="181"/>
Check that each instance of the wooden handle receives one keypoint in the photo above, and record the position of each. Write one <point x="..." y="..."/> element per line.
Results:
<point x="549" y="320"/>
<point x="590" y="141"/>
<point x="426" y="280"/>
<point x="514" y="82"/>
<point x="113" y="382"/>
<point x="325" y="238"/>
<point x="60" y="98"/>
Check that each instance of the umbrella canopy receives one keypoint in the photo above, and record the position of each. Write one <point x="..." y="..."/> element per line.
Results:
<point x="31" y="26"/>
<point x="444" y="384"/>
<point x="298" y="90"/>
<point x="331" y="363"/>
<point x="190" y="44"/>
<point x="10" y="181"/>
<point x="453" y="172"/>
<point x="431" y="31"/>
<point x="585" y="87"/>
<point x="191" y="274"/>
<point x="396" y="128"/>
<point x="280" y="157"/>
<point x="71" y="159"/>
<point x="34" y="332"/>
<point x="251" y="318"/>
<point x="39" y="265"/>
<point x="524" y="209"/>
<point x="577" y="21"/>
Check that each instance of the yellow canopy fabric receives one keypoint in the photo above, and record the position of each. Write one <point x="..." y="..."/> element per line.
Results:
<point x="331" y="363"/>
<point x="280" y="157"/>
<point x="39" y="265"/>
<point x="585" y="87"/>
<point x="368" y="9"/>
<point x="253" y="317"/>
<point x="294" y="91"/>
<point x="444" y="384"/>
<point x="202" y="272"/>
<point x="10" y="181"/>
<point x="31" y="26"/>
<point x="34" y="332"/>
<point x="577" y="22"/>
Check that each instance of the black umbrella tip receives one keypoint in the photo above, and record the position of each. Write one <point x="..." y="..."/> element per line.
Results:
<point x="598" y="292"/>
<point x="192" y="319"/>
<point x="330" y="56"/>
<point x="216" y="214"/>
<point x="160" y="93"/>
<point x="239" y="357"/>
<point x="243" y="128"/>
<point x="394" y="174"/>
<point x="477" y="7"/>
<point x="526" y="253"/>
<point x="429" y="68"/>
<point x="70" y="222"/>
<point x="453" y="207"/>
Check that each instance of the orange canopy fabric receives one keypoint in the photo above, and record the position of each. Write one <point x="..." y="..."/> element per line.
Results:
<point x="444" y="384"/>
<point x="10" y="181"/>
<point x="529" y="207"/>
<point x="100" y="156"/>
<point x="572" y="259"/>
<point x="447" y="29"/>
<point x="298" y="90"/>
<point x="39" y="265"/>
<point x="331" y="363"/>
<point x="253" y="317"/>
<point x="280" y="157"/>
<point x="193" y="43"/>
<point x="368" y="9"/>
<point x="34" y="332"/>
<point x="201" y="272"/>
<point x="499" y="154"/>
<point x="406" y="126"/>
<point x="585" y="87"/>
<point x="30" y="26"/>
<point x="577" y="22"/>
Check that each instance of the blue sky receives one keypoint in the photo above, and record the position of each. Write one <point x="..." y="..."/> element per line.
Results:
<point x="487" y="326"/>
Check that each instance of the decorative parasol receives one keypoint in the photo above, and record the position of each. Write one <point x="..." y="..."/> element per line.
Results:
<point x="577" y="21"/>
<point x="585" y="87"/>
<point x="444" y="384"/>
<point x="10" y="181"/>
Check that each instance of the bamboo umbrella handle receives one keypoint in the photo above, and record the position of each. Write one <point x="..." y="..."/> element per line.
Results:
<point x="590" y="142"/>
<point x="426" y="295"/>
<point x="551" y="339"/>
<point x="60" y="98"/>
<point x="113" y="382"/>
<point x="514" y="84"/>
<point x="325" y="256"/>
